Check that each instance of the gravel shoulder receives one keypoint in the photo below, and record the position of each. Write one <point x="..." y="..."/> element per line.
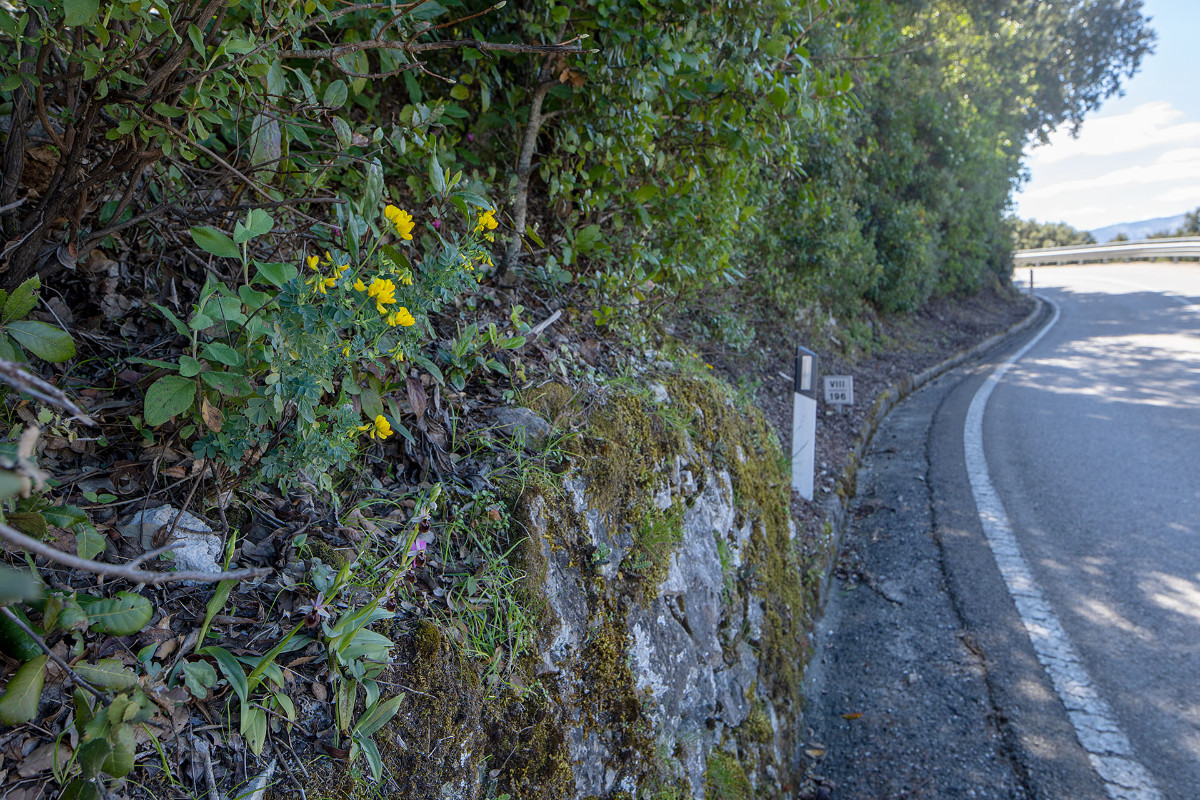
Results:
<point x="898" y="695"/>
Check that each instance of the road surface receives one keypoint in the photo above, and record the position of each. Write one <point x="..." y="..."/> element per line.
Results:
<point x="1081" y="500"/>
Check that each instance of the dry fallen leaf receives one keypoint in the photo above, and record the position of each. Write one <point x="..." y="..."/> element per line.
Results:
<point x="213" y="420"/>
<point x="854" y="715"/>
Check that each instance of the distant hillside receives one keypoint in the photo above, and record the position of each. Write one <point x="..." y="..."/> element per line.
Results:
<point x="1138" y="230"/>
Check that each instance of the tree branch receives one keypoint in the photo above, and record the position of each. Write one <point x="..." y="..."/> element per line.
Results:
<point x="122" y="571"/>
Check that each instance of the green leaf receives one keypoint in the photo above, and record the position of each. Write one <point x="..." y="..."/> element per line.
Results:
<point x="372" y="755"/>
<point x="372" y="404"/>
<point x="8" y="349"/>
<point x="168" y="396"/>
<point x="229" y="384"/>
<point x="275" y="273"/>
<point x="79" y="12"/>
<point x="190" y="367"/>
<point x="199" y="677"/>
<point x="335" y="95"/>
<point x="436" y="175"/>
<point x="259" y="222"/>
<point x="428" y="10"/>
<point x="21" y="301"/>
<point x="429" y="367"/>
<point x="16" y="585"/>
<point x="31" y="523"/>
<point x="230" y="668"/>
<point x="219" y="351"/>
<point x="107" y="673"/>
<point x="180" y="327"/>
<point x="377" y="716"/>
<point x="89" y="542"/>
<point x="44" y="341"/>
<point x="253" y="298"/>
<point x="587" y="238"/>
<point x="122" y="615"/>
<point x="15" y="642"/>
<point x="254" y="728"/>
<point x="342" y="130"/>
<point x="65" y="516"/>
<point x="92" y="755"/>
<point x="213" y="241"/>
<point x="20" y="701"/>
<point x="120" y="761"/>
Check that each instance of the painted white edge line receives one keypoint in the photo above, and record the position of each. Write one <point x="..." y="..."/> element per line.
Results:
<point x="1095" y="725"/>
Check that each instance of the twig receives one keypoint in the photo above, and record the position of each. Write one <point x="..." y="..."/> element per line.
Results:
<point x="153" y="554"/>
<point x="546" y="323"/>
<point x="46" y="648"/>
<point x="19" y="539"/>
<point x="12" y="374"/>
<point x="13" y="205"/>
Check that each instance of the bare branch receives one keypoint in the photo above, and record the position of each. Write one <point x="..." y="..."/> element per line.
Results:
<point x="122" y="571"/>
<point x="46" y="649"/>
<point x="12" y="374"/>
<point x="333" y="53"/>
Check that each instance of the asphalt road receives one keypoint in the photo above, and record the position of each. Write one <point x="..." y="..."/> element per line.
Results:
<point x="930" y="679"/>
<point x="1093" y="444"/>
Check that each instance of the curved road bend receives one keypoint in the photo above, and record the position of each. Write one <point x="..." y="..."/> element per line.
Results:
<point x="1092" y="444"/>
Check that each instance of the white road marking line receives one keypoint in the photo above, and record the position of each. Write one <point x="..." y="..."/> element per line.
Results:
<point x="1095" y="725"/>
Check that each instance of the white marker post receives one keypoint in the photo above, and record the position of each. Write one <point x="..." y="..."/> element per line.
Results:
<point x="804" y="422"/>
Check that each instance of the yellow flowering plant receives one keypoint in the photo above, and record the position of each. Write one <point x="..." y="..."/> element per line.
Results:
<point x="291" y="374"/>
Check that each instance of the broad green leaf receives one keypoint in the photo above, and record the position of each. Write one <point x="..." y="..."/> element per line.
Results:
<point x="15" y="642"/>
<point x="229" y="384"/>
<point x="31" y="523"/>
<point x="342" y="130"/>
<point x="168" y="396"/>
<point x="125" y="614"/>
<point x="587" y="238"/>
<point x="259" y="222"/>
<point x="276" y="273"/>
<point x="107" y="673"/>
<point x="214" y="241"/>
<point x="254" y="728"/>
<point x="266" y="148"/>
<point x="91" y="756"/>
<point x="20" y="701"/>
<point x="335" y="95"/>
<point x="230" y="668"/>
<point x="65" y="516"/>
<point x="79" y="12"/>
<point x="120" y="761"/>
<point x="8" y="349"/>
<point x="190" y="367"/>
<point x="44" y="341"/>
<point x="199" y="677"/>
<point x="89" y="542"/>
<point x="372" y="187"/>
<point x="21" y="301"/>
<point x="219" y="351"/>
<point x="215" y="604"/>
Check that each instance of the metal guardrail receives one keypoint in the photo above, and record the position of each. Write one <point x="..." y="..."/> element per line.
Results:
<point x="1182" y="247"/>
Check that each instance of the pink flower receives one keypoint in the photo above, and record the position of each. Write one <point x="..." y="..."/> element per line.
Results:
<point x="418" y="547"/>
<point x="437" y="224"/>
<point x="470" y="137"/>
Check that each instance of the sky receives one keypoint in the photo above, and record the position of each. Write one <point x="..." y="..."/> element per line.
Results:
<point x="1138" y="156"/>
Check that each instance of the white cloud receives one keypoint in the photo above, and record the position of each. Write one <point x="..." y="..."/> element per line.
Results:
<point x="1181" y="164"/>
<point x="1149" y="125"/>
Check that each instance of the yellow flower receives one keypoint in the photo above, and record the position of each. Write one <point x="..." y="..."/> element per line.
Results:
<point x="329" y="283"/>
<point x="328" y="258"/>
<point x="312" y="261"/>
<point x="400" y="316"/>
<point x="406" y="278"/>
<point x="486" y="220"/>
<point x="360" y="286"/>
<point x="401" y="220"/>
<point x="379" y="428"/>
<point x="346" y="349"/>
<point x="384" y="292"/>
